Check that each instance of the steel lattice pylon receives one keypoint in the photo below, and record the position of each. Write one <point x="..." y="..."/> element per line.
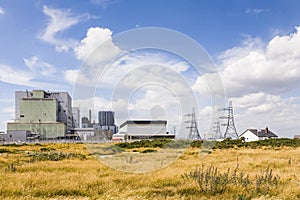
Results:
<point x="194" y="132"/>
<point x="230" y="131"/>
<point x="217" y="130"/>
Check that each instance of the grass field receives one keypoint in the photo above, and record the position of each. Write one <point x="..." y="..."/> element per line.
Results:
<point x="70" y="171"/>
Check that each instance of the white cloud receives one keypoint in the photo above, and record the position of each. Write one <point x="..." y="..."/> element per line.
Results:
<point x="273" y="68"/>
<point x="258" y="110"/>
<point x="1" y="11"/>
<point x="256" y="11"/>
<point x="60" y="20"/>
<point x="103" y="3"/>
<point x="35" y="64"/>
<point x="14" y="76"/>
<point x="71" y="75"/>
<point x="88" y="49"/>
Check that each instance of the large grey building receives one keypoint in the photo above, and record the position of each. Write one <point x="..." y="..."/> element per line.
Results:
<point x="106" y="121"/>
<point x="40" y="114"/>
<point x="106" y="118"/>
<point x="63" y="99"/>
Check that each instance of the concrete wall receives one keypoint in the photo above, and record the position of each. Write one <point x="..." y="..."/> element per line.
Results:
<point x="45" y="130"/>
<point x="38" y="110"/>
<point x="17" y="136"/>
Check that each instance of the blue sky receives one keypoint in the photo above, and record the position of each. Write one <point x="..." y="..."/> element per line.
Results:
<point x="44" y="43"/>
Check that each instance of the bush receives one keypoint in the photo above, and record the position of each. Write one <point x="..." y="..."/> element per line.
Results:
<point x="228" y="143"/>
<point x="5" y="151"/>
<point x="149" y="151"/>
<point x="11" y="168"/>
<point x="212" y="182"/>
<point x="47" y="149"/>
<point x="54" y="156"/>
<point x="144" y="144"/>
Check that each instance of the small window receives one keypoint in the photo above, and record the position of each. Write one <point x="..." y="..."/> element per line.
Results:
<point x="21" y="115"/>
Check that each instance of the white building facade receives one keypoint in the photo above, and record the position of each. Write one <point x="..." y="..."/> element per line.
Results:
<point x="251" y="135"/>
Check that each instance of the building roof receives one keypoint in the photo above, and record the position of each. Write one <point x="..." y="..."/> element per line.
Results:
<point x="143" y="122"/>
<point x="262" y="133"/>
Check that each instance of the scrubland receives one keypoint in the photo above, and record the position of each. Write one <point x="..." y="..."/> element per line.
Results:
<point x="71" y="171"/>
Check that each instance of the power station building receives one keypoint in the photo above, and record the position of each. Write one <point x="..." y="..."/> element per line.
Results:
<point x="145" y="129"/>
<point x="106" y="121"/>
<point x="46" y="115"/>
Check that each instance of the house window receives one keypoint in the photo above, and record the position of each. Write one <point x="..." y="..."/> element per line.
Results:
<point x="21" y="115"/>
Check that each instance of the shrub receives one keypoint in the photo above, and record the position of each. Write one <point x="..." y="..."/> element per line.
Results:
<point x="11" y="168"/>
<point x="212" y="182"/>
<point x="47" y="149"/>
<point x="5" y="151"/>
<point x="54" y="156"/>
<point x="149" y="151"/>
<point x="144" y="144"/>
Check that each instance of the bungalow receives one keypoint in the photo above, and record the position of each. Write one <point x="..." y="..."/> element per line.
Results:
<point x="257" y="134"/>
<point x="296" y="137"/>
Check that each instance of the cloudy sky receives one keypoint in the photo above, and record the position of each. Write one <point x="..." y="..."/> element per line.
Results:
<point x="72" y="46"/>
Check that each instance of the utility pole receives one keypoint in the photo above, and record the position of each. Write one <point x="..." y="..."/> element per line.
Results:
<point x="194" y="132"/>
<point x="230" y="131"/>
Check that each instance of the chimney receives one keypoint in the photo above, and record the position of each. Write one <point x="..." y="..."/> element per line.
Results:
<point x="267" y="130"/>
<point x="90" y="115"/>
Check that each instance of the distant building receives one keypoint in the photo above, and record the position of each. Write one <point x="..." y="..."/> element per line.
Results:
<point x="106" y="118"/>
<point x="47" y="115"/>
<point x="106" y="121"/>
<point x="145" y="129"/>
<point x="86" y="123"/>
<point x="254" y="134"/>
<point x="296" y="137"/>
<point x="76" y="117"/>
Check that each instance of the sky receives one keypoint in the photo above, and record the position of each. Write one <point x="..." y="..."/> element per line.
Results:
<point x="254" y="47"/>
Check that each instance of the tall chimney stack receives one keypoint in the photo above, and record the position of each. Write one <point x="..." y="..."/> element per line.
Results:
<point x="90" y="115"/>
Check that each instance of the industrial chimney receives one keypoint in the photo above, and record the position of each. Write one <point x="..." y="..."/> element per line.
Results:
<point x="90" y="115"/>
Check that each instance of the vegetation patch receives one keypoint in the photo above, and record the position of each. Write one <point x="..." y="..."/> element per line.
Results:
<point x="144" y="144"/>
<point x="228" y="143"/>
<point x="212" y="182"/>
<point x="54" y="156"/>
<point x="6" y="151"/>
<point x="149" y="151"/>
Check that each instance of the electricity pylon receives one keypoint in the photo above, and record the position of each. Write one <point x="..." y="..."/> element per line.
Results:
<point x="194" y="132"/>
<point x="230" y="131"/>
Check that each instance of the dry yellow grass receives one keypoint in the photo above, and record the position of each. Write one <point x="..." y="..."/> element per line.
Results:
<point x="89" y="179"/>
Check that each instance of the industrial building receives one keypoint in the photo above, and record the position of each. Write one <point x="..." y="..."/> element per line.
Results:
<point x="76" y="117"/>
<point x="106" y="121"/>
<point x="46" y="115"/>
<point x="145" y="129"/>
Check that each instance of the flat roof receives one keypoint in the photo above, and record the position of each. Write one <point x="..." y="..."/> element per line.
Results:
<point x="143" y="122"/>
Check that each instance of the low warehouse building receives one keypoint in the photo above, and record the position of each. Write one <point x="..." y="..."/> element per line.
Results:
<point x="145" y="129"/>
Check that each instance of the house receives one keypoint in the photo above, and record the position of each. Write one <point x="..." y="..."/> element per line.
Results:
<point x="257" y="134"/>
<point x="296" y="137"/>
